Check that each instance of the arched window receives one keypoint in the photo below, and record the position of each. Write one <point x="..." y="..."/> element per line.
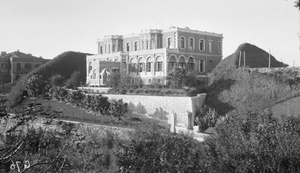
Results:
<point x="182" y="42"/>
<point x="201" y="66"/>
<point x="191" y="43"/>
<point x="202" y="44"/>
<point x="210" y="46"/>
<point x="136" y="46"/>
<point x="141" y="64"/>
<point x="132" y="65"/>
<point x="94" y="74"/>
<point x="181" y="62"/>
<point x="159" y="64"/>
<point x="127" y="47"/>
<point x="172" y="62"/>
<point x="191" y="64"/>
<point x="169" y="42"/>
<point x="90" y="66"/>
<point x="101" y="50"/>
<point x="150" y="62"/>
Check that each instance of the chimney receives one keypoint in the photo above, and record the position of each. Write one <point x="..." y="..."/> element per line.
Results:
<point x="3" y="53"/>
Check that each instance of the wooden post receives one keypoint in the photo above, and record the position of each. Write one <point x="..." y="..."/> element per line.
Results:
<point x="173" y="123"/>
<point x="269" y="59"/>
<point x="244" y="59"/>
<point x="240" y="58"/>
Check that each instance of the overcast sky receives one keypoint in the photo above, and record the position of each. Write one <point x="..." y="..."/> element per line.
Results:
<point x="47" y="27"/>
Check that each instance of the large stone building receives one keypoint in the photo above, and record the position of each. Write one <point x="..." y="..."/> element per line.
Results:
<point x="152" y="54"/>
<point x="14" y="65"/>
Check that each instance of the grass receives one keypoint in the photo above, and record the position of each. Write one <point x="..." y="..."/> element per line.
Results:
<point x="289" y="107"/>
<point x="69" y="112"/>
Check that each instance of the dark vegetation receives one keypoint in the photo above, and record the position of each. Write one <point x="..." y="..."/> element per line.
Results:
<point x="179" y="83"/>
<point x="246" y="90"/>
<point x="247" y="138"/>
<point x="65" y="65"/>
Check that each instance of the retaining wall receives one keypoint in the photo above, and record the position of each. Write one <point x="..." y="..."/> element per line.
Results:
<point x="163" y="106"/>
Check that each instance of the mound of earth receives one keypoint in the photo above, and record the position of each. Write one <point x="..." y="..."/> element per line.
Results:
<point x="255" y="57"/>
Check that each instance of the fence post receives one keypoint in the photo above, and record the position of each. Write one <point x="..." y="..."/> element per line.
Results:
<point x="190" y="121"/>
<point x="173" y="123"/>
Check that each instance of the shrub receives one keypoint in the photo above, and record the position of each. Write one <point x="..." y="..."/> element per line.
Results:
<point x="177" y="78"/>
<point x="57" y="80"/>
<point x="117" y="108"/>
<point x="255" y="143"/>
<point x="207" y="118"/>
<point x="35" y="85"/>
<point x="153" y="151"/>
<point x="74" y="80"/>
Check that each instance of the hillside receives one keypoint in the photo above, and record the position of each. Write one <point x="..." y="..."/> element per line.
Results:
<point x="64" y="64"/>
<point x="242" y="90"/>
<point x="255" y="57"/>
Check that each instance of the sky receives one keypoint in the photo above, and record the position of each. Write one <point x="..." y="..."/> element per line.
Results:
<point x="48" y="28"/>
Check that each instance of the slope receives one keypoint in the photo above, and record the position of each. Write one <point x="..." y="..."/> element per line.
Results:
<point x="243" y="90"/>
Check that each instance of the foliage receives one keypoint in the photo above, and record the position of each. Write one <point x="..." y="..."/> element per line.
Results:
<point x="74" y="81"/>
<point x="64" y="64"/>
<point x="153" y="151"/>
<point x="118" y="108"/>
<point x="177" y="78"/>
<point x="255" y="143"/>
<point x="57" y="80"/>
<point x="207" y="118"/>
<point x="160" y="114"/>
<point x="123" y="83"/>
<point x="96" y="103"/>
<point x="15" y="95"/>
<point x="27" y="148"/>
<point x="35" y="85"/>
<point x="297" y="4"/>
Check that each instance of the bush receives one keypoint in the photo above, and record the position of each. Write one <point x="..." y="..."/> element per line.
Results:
<point x="74" y="80"/>
<point x="207" y="118"/>
<point x="57" y="80"/>
<point x="153" y="151"/>
<point x="177" y="78"/>
<point x="35" y="85"/>
<point x="255" y="143"/>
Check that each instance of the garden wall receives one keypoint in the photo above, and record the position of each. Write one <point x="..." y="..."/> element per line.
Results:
<point x="163" y="106"/>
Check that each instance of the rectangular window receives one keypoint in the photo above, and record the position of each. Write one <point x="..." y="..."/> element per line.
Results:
<point x="182" y="42"/>
<point x="202" y="45"/>
<point x="158" y="66"/>
<point x="191" y="43"/>
<point x="114" y="48"/>
<point x="142" y="45"/>
<point x="202" y="66"/>
<point x="149" y="66"/>
<point x="135" y="46"/>
<point x="141" y="67"/>
<point x="220" y="47"/>
<point x="18" y="67"/>
<point x="210" y="46"/>
<point x="210" y="66"/>
<point x="169" y="42"/>
<point x="147" y="44"/>
<point x="4" y="66"/>
<point x="127" y="47"/>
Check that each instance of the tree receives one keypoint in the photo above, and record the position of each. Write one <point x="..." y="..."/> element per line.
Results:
<point x="297" y="4"/>
<point x="177" y="78"/>
<point x="74" y="81"/>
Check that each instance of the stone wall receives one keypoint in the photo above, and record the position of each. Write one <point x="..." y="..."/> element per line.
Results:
<point x="163" y="106"/>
